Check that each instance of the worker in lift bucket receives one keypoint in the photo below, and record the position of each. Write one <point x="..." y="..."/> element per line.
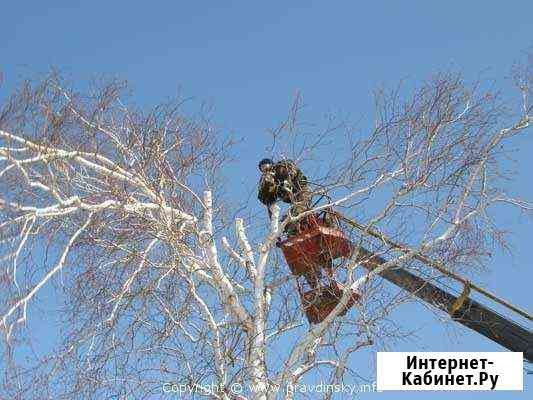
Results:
<point x="284" y="181"/>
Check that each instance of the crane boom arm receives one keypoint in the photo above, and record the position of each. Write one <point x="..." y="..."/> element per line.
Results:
<point x="470" y="313"/>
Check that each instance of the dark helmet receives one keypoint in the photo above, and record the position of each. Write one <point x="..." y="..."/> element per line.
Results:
<point x="263" y="162"/>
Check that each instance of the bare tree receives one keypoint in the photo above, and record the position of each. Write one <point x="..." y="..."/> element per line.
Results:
<point x="121" y="212"/>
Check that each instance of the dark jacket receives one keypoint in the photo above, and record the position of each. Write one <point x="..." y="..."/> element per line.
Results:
<point x="285" y="181"/>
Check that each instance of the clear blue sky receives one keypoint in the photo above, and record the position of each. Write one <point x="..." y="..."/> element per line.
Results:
<point x="249" y="58"/>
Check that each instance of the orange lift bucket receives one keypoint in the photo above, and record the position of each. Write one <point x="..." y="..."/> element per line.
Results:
<point x="320" y="302"/>
<point x="315" y="245"/>
<point x="319" y="241"/>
